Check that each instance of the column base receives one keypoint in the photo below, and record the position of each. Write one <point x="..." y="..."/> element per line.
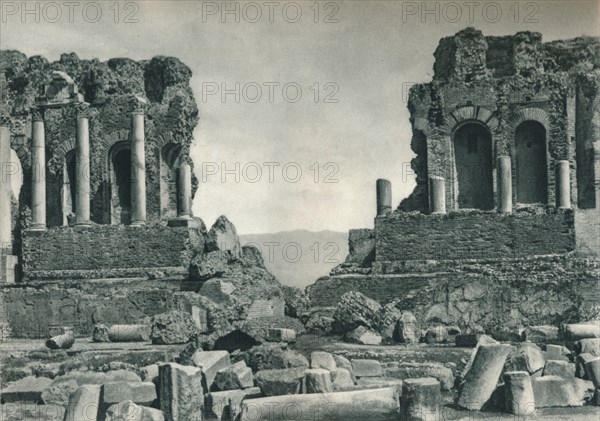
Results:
<point x="137" y="223"/>
<point x="38" y="227"/>
<point x="82" y="225"/>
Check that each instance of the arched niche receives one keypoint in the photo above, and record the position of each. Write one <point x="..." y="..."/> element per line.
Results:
<point x="119" y="158"/>
<point x="531" y="163"/>
<point x="169" y="164"/>
<point x="474" y="166"/>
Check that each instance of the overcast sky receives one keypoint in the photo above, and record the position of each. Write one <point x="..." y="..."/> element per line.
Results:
<point x="322" y="88"/>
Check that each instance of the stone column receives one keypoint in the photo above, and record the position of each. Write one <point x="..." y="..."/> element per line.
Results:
<point x="38" y="170"/>
<point x="482" y="379"/>
<point x="384" y="197"/>
<point x="5" y="186"/>
<point x="563" y="186"/>
<point x="184" y="193"/>
<point x="519" y="399"/>
<point x="421" y="399"/>
<point x="138" y="168"/>
<point x="437" y="194"/>
<point x="504" y="185"/>
<point x="82" y="165"/>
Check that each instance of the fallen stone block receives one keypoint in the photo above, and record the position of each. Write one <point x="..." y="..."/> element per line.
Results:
<point x="282" y="335"/>
<point x="280" y="382"/>
<point x="483" y="339"/>
<point x="518" y="393"/>
<point x="236" y="376"/>
<point x="592" y="369"/>
<point x="138" y="393"/>
<point x="540" y="334"/>
<point x="173" y="327"/>
<point x="58" y="393"/>
<point x="363" y="336"/>
<point x="404" y="371"/>
<point x="343" y="362"/>
<point x="210" y="362"/>
<point x="100" y="333"/>
<point x="129" y="411"/>
<point x="577" y="331"/>
<point x="341" y="379"/>
<point x="64" y="341"/>
<point x="558" y="368"/>
<point x="481" y="380"/>
<point x="89" y="377"/>
<point x="372" y="405"/>
<point x="381" y="382"/>
<point x="273" y="357"/>
<point x="467" y="340"/>
<point x="225" y="405"/>
<point x="550" y="391"/>
<point x="28" y="389"/>
<point x="180" y="392"/>
<point x="319" y="359"/>
<point x="420" y="399"/>
<point x="436" y="335"/>
<point x="149" y="373"/>
<point x="526" y="357"/>
<point x="317" y="380"/>
<point x="589" y="346"/>
<point x="84" y="403"/>
<point x="129" y="333"/>
<point x="366" y="368"/>
<point x="580" y="365"/>
<point x="557" y="352"/>
<point x="407" y="329"/>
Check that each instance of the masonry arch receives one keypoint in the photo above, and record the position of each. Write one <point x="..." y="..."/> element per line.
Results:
<point x="120" y="182"/>
<point x="531" y="163"/>
<point x="473" y="162"/>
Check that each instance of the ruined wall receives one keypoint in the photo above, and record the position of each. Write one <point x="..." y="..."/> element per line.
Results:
<point x="104" y="251"/>
<point x="170" y="118"/>
<point x="473" y="235"/>
<point x="503" y="292"/>
<point x="499" y="82"/>
<point x="33" y="309"/>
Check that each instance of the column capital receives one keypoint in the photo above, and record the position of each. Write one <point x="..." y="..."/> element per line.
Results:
<point x="37" y="114"/>
<point x="137" y="104"/>
<point x="83" y="110"/>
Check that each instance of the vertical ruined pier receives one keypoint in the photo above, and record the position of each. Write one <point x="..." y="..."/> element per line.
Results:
<point x="38" y="167"/>
<point x="82" y="164"/>
<point x="138" y="165"/>
<point x="384" y="197"/>
<point x="504" y="185"/>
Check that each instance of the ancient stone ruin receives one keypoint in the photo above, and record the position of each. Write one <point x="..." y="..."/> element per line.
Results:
<point x="477" y="296"/>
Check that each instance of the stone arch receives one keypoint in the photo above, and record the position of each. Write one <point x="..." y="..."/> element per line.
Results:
<point x="469" y="114"/>
<point x="473" y="165"/>
<point x="529" y="114"/>
<point x="531" y="162"/>
<point x="119" y="164"/>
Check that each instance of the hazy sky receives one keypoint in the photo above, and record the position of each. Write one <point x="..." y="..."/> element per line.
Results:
<point x="320" y="112"/>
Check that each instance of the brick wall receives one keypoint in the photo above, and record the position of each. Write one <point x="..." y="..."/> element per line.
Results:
<point x="473" y="235"/>
<point x="103" y="251"/>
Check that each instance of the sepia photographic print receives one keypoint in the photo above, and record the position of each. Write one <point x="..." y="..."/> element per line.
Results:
<point x="309" y="210"/>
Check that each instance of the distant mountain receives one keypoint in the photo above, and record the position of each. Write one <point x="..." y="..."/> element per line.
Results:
<point x="298" y="258"/>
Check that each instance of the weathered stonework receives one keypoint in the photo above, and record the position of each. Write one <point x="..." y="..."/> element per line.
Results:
<point x="456" y="251"/>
